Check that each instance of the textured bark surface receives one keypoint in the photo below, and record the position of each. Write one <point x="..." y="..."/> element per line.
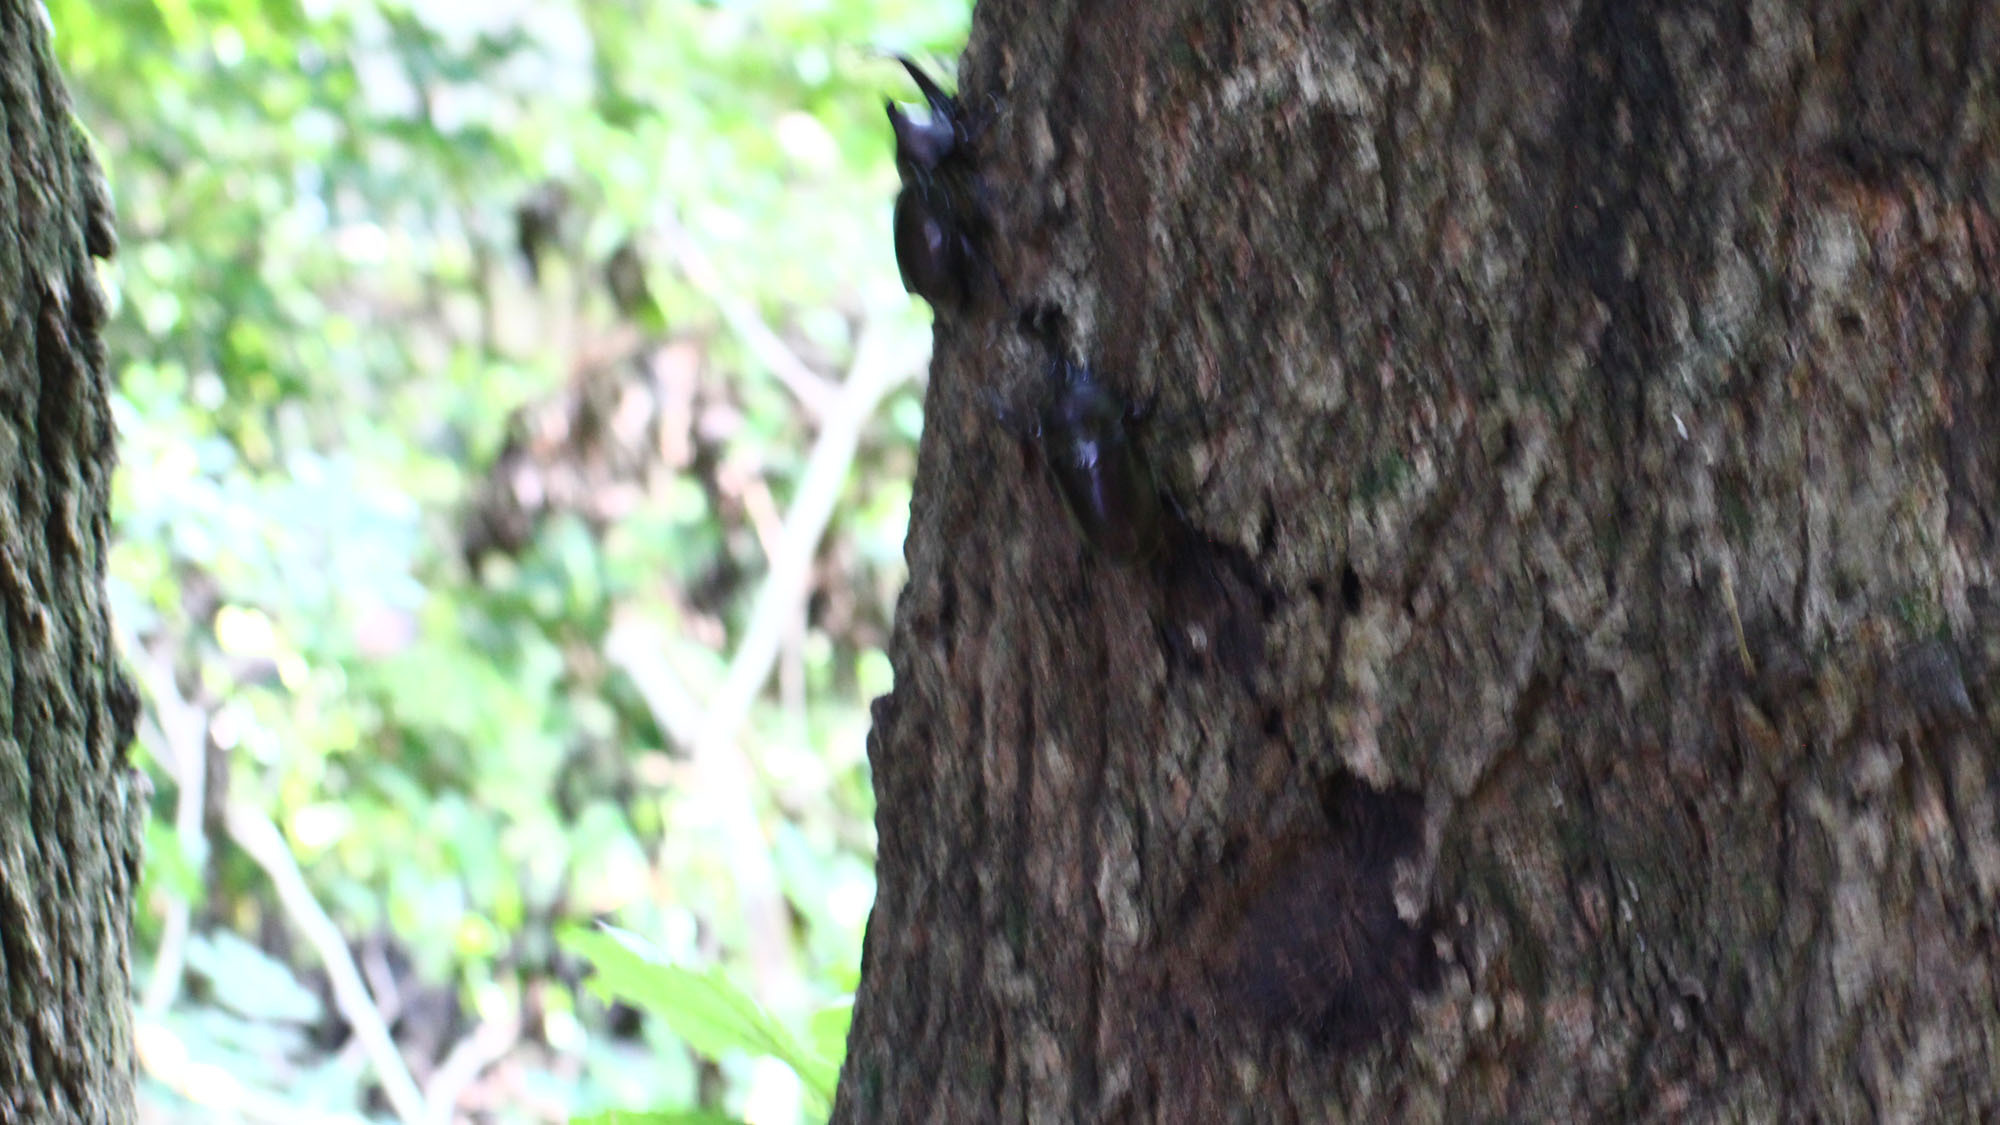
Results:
<point x="71" y="822"/>
<point x="1602" y="405"/>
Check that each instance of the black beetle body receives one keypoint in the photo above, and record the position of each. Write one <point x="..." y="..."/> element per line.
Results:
<point x="935" y="212"/>
<point x="1097" y="468"/>
<point x="931" y="252"/>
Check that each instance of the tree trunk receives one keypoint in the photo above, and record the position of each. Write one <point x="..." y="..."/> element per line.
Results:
<point x="71" y="813"/>
<point x="1574" y="692"/>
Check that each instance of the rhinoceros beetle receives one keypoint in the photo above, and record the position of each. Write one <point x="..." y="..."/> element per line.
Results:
<point x="1085" y="433"/>
<point x="1098" y="468"/>
<point x="938" y="218"/>
<point x="1083" y="429"/>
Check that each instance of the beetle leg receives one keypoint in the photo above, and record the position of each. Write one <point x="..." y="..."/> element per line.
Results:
<point x="1138" y="412"/>
<point x="973" y="126"/>
<point x="969" y="252"/>
<point x="1177" y="517"/>
<point x="1023" y="427"/>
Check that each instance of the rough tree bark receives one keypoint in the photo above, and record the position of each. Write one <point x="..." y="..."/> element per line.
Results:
<point x="1588" y="413"/>
<point x="71" y="815"/>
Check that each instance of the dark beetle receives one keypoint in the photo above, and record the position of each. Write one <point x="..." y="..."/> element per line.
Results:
<point x="936" y="215"/>
<point x="1098" y="468"/>
<point x="1083" y="429"/>
<point x="933" y="253"/>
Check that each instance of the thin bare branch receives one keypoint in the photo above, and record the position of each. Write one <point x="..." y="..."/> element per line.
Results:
<point x="812" y="390"/>
<point x="180" y="730"/>
<point x="727" y="773"/>
<point x="634" y="645"/>
<point x="879" y="367"/>
<point x="260" y="839"/>
<point x="486" y="1045"/>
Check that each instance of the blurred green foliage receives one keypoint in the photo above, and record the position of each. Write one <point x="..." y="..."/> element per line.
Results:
<point x="708" y="1010"/>
<point x="423" y="395"/>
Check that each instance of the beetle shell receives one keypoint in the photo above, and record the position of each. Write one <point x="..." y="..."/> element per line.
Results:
<point x="929" y="251"/>
<point x="1098" y="470"/>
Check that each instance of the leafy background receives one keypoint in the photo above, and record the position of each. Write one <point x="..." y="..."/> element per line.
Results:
<point x="486" y="373"/>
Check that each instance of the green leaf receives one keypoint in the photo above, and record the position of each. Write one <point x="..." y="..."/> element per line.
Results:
<point x="168" y="868"/>
<point x="704" y="1008"/>
<point x="829" y="1027"/>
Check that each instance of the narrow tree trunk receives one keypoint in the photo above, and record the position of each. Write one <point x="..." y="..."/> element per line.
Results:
<point x="1575" y="692"/>
<point x="71" y="813"/>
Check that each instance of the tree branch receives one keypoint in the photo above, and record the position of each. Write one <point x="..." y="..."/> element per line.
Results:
<point x="487" y="1044"/>
<point x="726" y="775"/>
<point x="180" y="729"/>
<point x="876" y="371"/>
<point x="260" y="839"/>
<point x="810" y="388"/>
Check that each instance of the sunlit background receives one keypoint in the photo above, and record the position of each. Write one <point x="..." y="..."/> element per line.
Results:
<point x="517" y="406"/>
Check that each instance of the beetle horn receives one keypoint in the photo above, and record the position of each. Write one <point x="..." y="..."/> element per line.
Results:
<point x="899" y="121"/>
<point x="941" y="103"/>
